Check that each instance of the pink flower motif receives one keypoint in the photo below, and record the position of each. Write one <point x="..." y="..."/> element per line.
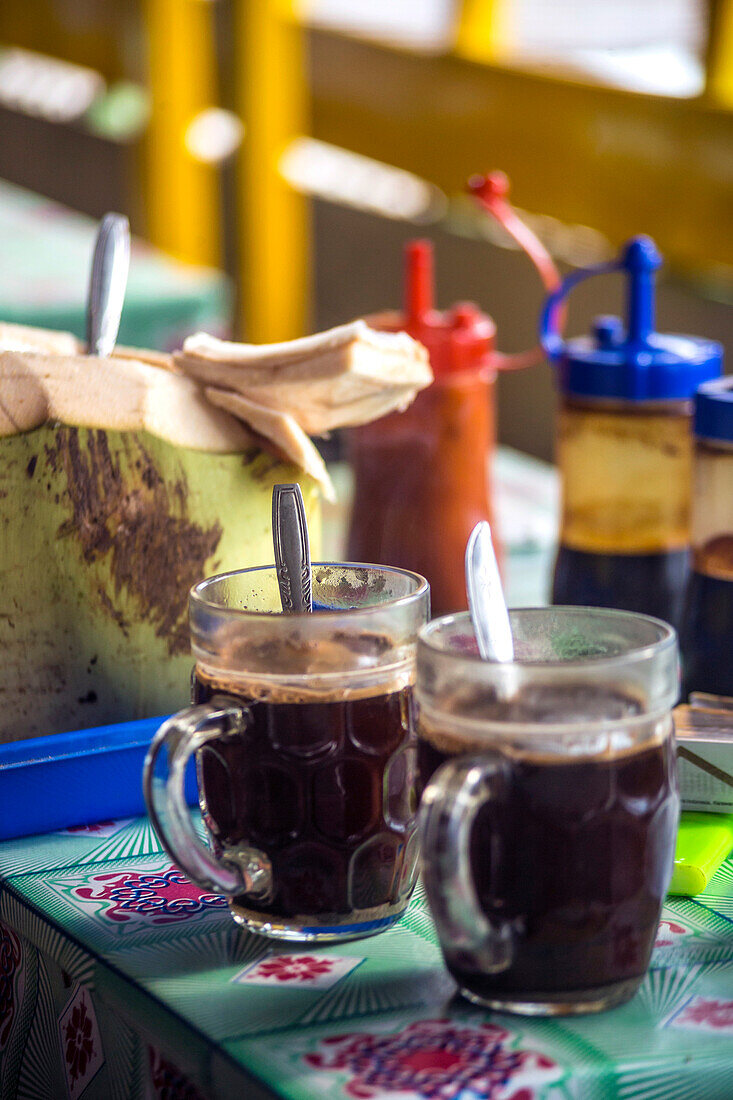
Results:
<point x="166" y="897"/>
<point x="435" y="1060"/>
<point x="95" y="828"/>
<point x="78" y="1041"/>
<point x="673" y="929"/>
<point x="294" y="968"/>
<point x="168" y="1081"/>
<point x="717" y="1014"/>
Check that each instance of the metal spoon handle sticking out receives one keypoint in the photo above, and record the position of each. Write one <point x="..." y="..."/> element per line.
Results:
<point x="107" y="284"/>
<point x="486" y="601"/>
<point x="292" y="550"/>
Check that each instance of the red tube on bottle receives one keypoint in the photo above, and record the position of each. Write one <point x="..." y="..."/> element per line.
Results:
<point x="423" y="476"/>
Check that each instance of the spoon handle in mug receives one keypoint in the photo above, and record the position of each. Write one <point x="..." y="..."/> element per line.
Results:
<point x="486" y="601"/>
<point x="292" y="549"/>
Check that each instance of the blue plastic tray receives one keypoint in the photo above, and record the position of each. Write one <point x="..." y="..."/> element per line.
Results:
<point x="78" y="778"/>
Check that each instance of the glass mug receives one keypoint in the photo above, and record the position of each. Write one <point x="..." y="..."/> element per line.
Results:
<point x="303" y="734"/>
<point x="550" y="804"/>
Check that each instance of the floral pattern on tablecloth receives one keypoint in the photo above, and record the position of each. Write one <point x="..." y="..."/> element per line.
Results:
<point x="298" y="971"/>
<point x="165" y="898"/>
<point x="437" y="1060"/>
<point x="705" y="1014"/>
<point x="670" y="932"/>
<point x="166" y="1080"/>
<point x="388" y="1027"/>
<point x="81" y="1043"/>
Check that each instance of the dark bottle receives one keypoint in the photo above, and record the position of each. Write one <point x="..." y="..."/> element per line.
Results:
<point x="707" y="625"/>
<point x="625" y="448"/>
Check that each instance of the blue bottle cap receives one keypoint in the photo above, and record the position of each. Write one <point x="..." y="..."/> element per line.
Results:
<point x="629" y="362"/>
<point x="714" y="410"/>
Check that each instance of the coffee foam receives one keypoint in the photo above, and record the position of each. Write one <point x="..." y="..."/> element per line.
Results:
<point x="461" y="724"/>
<point x="297" y="669"/>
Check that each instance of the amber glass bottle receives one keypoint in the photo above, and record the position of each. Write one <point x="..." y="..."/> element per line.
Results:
<point x="707" y="626"/>
<point x="624" y="448"/>
<point x="625" y="535"/>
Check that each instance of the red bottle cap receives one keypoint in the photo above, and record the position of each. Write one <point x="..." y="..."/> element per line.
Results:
<point x="457" y="339"/>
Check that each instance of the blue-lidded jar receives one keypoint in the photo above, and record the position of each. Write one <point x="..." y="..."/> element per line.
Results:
<point x="707" y="623"/>
<point x="624" y="447"/>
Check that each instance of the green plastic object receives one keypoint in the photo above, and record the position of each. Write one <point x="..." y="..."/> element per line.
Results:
<point x="703" y="843"/>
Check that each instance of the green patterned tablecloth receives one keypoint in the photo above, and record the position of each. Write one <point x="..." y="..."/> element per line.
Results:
<point x="120" y="979"/>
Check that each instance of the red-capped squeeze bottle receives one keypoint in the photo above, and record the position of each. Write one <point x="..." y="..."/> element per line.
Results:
<point x="423" y="476"/>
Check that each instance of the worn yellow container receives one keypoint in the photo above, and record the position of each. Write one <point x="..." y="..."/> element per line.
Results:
<point x="101" y="536"/>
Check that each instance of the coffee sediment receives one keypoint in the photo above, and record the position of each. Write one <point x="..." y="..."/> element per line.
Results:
<point x="302" y="669"/>
<point x="460" y="723"/>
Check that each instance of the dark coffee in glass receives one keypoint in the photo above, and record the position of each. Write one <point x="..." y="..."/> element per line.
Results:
<point x="531" y="846"/>
<point x="328" y="790"/>
<point x="564" y="842"/>
<point x="302" y="727"/>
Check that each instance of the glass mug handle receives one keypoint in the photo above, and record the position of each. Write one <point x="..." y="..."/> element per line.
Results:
<point x="448" y="810"/>
<point x="163" y="784"/>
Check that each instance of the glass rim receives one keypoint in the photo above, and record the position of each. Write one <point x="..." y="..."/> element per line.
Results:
<point x="197" y="594"/>
<point x="667" y="639"/>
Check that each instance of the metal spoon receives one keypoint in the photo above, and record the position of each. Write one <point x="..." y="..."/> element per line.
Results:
<point x="107" y="284"/>
<point x="486" y="601"/>
<point x="292" y="550"/>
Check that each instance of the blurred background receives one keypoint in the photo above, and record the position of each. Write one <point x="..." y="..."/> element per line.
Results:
<point x="274" y="156"/>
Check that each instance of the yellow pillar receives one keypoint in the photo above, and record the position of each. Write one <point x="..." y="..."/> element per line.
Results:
<point x="183" y="193"/>
<point x="270" y="71"/>
<point x="719" y="61"/>
<point x="483" y="30"/>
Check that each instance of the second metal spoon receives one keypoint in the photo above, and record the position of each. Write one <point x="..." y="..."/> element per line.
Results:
<point x="486" y="602"/>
